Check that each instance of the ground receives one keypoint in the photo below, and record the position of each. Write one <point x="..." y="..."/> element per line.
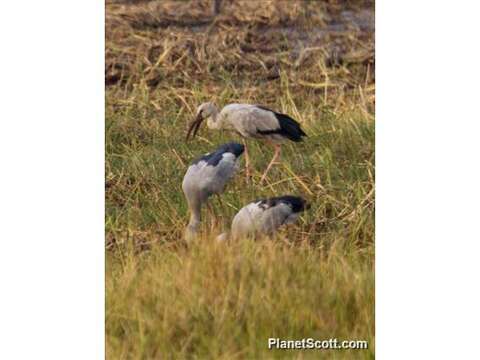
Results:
<point x="311" y="60"/>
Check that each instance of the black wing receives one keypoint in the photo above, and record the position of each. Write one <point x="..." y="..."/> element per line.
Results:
<point x="295" y="202"/>
<point x="215" y="157"/>
<point x="289" y="128"/>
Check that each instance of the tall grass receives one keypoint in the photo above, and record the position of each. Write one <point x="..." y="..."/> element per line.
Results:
<point x="208" y="300"/>
<point x="213" y="301"/>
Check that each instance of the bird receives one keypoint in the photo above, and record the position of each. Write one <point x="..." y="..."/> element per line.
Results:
<point x="265" y="217"/>
<point x="249" y="121"/>
<point x="206" y="176"/>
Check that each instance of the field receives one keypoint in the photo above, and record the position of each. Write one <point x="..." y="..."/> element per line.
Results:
<point x="312" y="60"/>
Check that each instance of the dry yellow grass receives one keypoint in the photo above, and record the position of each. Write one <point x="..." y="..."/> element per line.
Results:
<point x="309" y="59"/>
<point x="212" y="301"/>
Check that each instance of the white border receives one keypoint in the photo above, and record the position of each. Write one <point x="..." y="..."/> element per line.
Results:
<point x="428" y="180"/>
<point x="51" y="182"/>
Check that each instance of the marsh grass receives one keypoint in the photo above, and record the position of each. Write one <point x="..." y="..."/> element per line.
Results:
<point x="214" y="301"/>
<point x="166" y="300"/>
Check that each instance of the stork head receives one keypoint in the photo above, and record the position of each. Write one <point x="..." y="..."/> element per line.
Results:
<point x="223" y="237"/>
<point x="204" y="111"/>
<point x="191" y="232"/>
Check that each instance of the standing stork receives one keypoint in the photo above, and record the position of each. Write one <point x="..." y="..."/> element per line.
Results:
<point x="206" y="176"/>
<point x="265" y="217"/>
<point x="249" y="121"/>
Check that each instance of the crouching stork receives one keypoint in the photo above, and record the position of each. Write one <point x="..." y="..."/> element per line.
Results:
<point x="249" y="121"/>
<point x="206" y="176"/>
<point x="265" y="217"/>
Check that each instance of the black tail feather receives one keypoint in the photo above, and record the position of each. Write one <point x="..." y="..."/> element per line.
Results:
<point x="297" y="203"/>
<point x="289" y="128"/>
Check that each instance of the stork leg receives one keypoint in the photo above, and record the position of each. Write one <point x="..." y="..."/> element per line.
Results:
<point x="247" y="161"/>
<point x="274" y="160"/>
<point x="213" y="219"/>
<point x="219" y="198"/>
<point x="211" y="212"/>
<point x="222" y="210"/>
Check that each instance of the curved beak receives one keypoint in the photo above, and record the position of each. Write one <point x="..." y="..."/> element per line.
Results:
<point x="194" y="125"/>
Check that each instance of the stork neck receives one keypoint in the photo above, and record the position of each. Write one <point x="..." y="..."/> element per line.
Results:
<point x="194" y="221"/>
<point x="214" y="121"/>
<point x="195" y="215"/>
<point x="195" y="211"/>
<point x="192" y="228"/>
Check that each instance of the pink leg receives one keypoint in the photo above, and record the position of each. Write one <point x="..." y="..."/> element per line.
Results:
<point x="274" y="159"/>
<point x="213" y="219"/>
<point x="211" y="213"/>
<point x="247" y="161"/>
<point x="219" y="198"/>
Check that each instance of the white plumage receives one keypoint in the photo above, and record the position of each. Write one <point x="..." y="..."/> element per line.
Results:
<point x="249" y="121"/>
<point x="208" y="175"/>
<point x="265" y="217"/>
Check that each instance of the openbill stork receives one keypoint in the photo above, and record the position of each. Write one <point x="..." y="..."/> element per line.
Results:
<point x="265" y="217"/>
<point x="249" y="121"/>
<point x="206" y="176"/>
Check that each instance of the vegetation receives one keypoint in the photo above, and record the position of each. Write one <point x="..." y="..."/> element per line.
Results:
<point x="312" y="60"/>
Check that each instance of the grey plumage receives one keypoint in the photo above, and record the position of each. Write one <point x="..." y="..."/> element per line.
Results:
<point x="249" y="121"/>
<point x="206" y="176"/>
<point x="265" y="217"/>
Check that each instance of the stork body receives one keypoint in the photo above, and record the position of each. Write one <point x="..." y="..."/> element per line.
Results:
<point x="206" y="176"/>
<point x="265" y="217"/>
<point x="250" y="121"/>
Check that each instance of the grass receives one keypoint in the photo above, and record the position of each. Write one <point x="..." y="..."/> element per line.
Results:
<point x="164" y="300"/>
<point x="214" y="301"/>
